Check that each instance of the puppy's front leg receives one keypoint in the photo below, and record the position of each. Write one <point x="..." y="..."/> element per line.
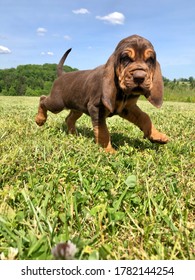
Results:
<point x="135" y="115"/>
<point x="102" y="136"/>
<point x="101" y="133"/>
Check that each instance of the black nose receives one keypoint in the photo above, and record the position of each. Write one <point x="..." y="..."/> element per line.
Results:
<point x="139" y="76"/>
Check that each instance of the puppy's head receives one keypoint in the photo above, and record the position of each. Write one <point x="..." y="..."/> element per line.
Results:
<point x="133" y="68"/>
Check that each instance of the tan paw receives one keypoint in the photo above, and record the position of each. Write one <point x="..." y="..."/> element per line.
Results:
<point x="40" y="120"/>
<point x="110" y="150"/>
<point x="159" y="137"/>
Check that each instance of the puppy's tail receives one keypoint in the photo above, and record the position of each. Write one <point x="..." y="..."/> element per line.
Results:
<point x="61" y="63"/>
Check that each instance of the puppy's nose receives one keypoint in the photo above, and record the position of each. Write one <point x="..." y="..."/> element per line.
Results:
<point x="139" y="76"/>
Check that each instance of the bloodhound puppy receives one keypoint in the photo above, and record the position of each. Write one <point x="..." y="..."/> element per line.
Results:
<point x="111" y="89"/>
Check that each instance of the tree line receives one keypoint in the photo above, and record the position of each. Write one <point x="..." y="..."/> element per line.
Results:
<point x="180" y="83"/>
<point x="35" y="80"/>
<point x="29" y="80"/>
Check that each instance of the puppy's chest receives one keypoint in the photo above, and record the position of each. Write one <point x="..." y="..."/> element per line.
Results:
<point x="124" y="102"/>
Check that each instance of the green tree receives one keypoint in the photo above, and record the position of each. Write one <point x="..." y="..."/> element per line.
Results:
<point x="192" y="82"/>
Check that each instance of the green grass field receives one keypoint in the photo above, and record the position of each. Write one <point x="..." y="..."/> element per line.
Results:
<point x="54" y="187"/>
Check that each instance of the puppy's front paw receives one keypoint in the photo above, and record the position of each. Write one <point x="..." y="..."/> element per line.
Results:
<point x="110" y="150"/>
<point x="158" y="137"/>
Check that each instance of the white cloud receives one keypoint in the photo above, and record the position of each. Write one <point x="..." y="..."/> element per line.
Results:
<point x="41" y="31"/>
<point x="4" y="50"/>
<point x="67" y="37"/>
<point x="47" y="53"/>
<point x="113" y="18"/>
<point x="81" y="11"/>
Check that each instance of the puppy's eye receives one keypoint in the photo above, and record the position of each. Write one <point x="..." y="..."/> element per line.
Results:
<point x="125" y="59"/>
<point x="150" y="61"/>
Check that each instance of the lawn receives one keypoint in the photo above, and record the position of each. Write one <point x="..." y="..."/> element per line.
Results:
<point x="136" y="204"/>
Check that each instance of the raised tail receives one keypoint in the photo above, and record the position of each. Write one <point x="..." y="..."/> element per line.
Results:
<point x="61" y="63"/>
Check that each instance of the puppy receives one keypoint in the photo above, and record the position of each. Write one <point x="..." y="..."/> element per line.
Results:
<point x="111" y="89"/>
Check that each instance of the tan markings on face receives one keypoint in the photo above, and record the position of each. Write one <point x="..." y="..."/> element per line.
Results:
<point x="120" y="71"/>
<point x="121" y="77"/>
<point x="130" y="52"/>
<point x="148" y="53"/>
<point x="151" y="80"/>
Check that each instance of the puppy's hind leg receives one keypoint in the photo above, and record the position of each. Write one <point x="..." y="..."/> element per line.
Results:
<point x="71" y="120"/>
<point x="41" y="116"/>
<point x="48" y="103"/>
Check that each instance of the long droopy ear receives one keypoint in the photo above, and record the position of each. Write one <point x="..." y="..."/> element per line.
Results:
<point x="156" y="93"/>
<point x="109" y="89"/>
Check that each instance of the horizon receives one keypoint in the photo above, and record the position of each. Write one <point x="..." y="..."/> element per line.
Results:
<point x="74" y="68"/>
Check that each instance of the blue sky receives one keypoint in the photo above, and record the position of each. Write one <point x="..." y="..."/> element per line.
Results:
<point x="40" y="31"/>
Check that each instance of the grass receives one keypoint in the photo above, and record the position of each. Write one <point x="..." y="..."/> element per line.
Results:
<point x="54" y="187"/>
<point x="181" y="94"/>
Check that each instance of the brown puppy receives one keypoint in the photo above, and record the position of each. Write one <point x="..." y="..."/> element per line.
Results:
<point x="111" y="89"/>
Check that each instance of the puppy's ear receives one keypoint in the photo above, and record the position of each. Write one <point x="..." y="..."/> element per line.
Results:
<point x="156" y="93"/>
<point x="109" y="89"/>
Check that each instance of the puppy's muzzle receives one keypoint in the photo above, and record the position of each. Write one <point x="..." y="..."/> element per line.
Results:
<point x="139" y="77"/>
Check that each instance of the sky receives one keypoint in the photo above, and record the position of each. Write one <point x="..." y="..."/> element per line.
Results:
<point x="40" y="31"/>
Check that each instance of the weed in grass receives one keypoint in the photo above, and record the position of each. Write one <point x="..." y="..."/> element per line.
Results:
<point x="54" y="187"/>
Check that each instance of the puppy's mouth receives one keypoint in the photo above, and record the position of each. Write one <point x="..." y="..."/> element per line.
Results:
<point x="138" y="90"/>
